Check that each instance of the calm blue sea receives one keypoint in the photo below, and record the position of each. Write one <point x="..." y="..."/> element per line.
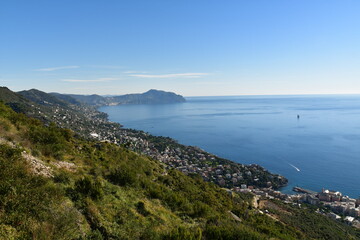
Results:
<point x="324" y="143"/>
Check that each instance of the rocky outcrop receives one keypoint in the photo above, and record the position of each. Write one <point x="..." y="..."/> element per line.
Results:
<point x="38" y="167"/>
<point x="65" y="165"/>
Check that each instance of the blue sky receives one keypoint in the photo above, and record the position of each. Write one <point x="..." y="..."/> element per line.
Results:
<point x="192" y="47"/>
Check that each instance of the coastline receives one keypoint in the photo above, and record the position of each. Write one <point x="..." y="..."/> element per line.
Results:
<point x="244" y="131"/>
<point x="192" y="159"/>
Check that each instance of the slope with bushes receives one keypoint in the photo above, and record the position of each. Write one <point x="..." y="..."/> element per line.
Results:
<point x="87" y="121"/>
<point x="95" y="190"/>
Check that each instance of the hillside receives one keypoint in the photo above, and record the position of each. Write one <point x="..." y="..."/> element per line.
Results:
<point x="87" y="122"/>
<point x="43" y="98"/>
<point x="16" y="101"/>
<point x="149" y="97"/>
<point x="54" y="185"/>
<point x="92" y="100"/>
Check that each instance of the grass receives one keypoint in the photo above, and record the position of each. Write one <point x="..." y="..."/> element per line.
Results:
<point x="114" y="193"/>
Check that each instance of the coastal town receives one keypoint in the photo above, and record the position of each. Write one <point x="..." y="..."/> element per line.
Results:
<point x="332" y="204"/>
<point x="193" y="160"/>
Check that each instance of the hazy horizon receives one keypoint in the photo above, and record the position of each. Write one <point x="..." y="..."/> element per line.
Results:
<point x="239" y="95"/>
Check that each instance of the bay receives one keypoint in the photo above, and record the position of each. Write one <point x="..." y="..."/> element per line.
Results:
<point x="320" y="149"/>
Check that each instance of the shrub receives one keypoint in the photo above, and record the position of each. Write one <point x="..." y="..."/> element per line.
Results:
<point x="95" y="235"/>
<point x="62" y="177"/>
<point x="123" y="176"/>
<point x="184" y="233"/>
<point x="140" y="207"/>
<point x="8" y="232"/>
<point x="86" y="187"/>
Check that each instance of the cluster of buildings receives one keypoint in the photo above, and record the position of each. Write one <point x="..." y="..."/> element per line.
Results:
<point x="336" y="202"/>
<point x="225" y="173"/>
<point x="189" y="159"/>
<point x="268" y="193"/>
<point x="341" y="207"/>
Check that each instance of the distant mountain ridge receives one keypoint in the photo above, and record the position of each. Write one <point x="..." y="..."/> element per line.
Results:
<point x="150" y="97"/>
<point x="43" y="98"/>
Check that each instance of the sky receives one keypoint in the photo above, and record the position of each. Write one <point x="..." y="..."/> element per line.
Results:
<point x="191" y="47"/>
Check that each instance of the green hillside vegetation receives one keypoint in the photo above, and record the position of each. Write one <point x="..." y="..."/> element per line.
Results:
<point x="85" y="120"/>
<point x="16" y="101"/>
<point x="93" y="100"/>
<point x="56" y="186"/>
<point x="43" y="98"/>
<point x="67" y="112"/>
<point x="32" y="103"/>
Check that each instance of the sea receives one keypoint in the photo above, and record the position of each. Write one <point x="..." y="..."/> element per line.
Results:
<point x="313" y="140"/>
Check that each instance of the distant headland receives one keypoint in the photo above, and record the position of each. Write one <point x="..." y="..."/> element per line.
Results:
<point x="150" y="97"/>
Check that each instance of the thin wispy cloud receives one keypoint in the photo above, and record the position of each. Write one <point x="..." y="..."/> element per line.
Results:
<point x="134" y="72"/>
<point x="107" y="66"/>
<point x="55" y="68"/>
<point x="172" y="75"/>
<point x="90" y="80"/>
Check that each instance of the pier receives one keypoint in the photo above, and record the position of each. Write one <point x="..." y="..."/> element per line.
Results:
<point x="303" y="190"/>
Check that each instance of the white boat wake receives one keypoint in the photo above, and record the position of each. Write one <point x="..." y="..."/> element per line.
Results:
<point x="297" y="169"/>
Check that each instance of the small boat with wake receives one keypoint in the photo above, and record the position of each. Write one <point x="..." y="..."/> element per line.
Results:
<point x="297" y="169"/>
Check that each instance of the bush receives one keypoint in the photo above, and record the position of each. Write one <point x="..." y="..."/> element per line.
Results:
<point x="51" y="141"/>
<point x="95" y="235"/>
<point x="140" y="207"/>
<point x="123" y="176"/>
<point x="62" y="177"/>
<point x="8" y="232"/>
<point x="86" y="187"/>
<point x="201" y="210"/>
<point x="184" y="233"/>
<point x="230" y="231"/>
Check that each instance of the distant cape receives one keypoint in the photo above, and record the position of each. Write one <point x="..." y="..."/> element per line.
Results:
<point x="150" y="97"/>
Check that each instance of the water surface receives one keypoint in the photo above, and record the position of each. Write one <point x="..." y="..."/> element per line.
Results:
<point x="320" y="149"/>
